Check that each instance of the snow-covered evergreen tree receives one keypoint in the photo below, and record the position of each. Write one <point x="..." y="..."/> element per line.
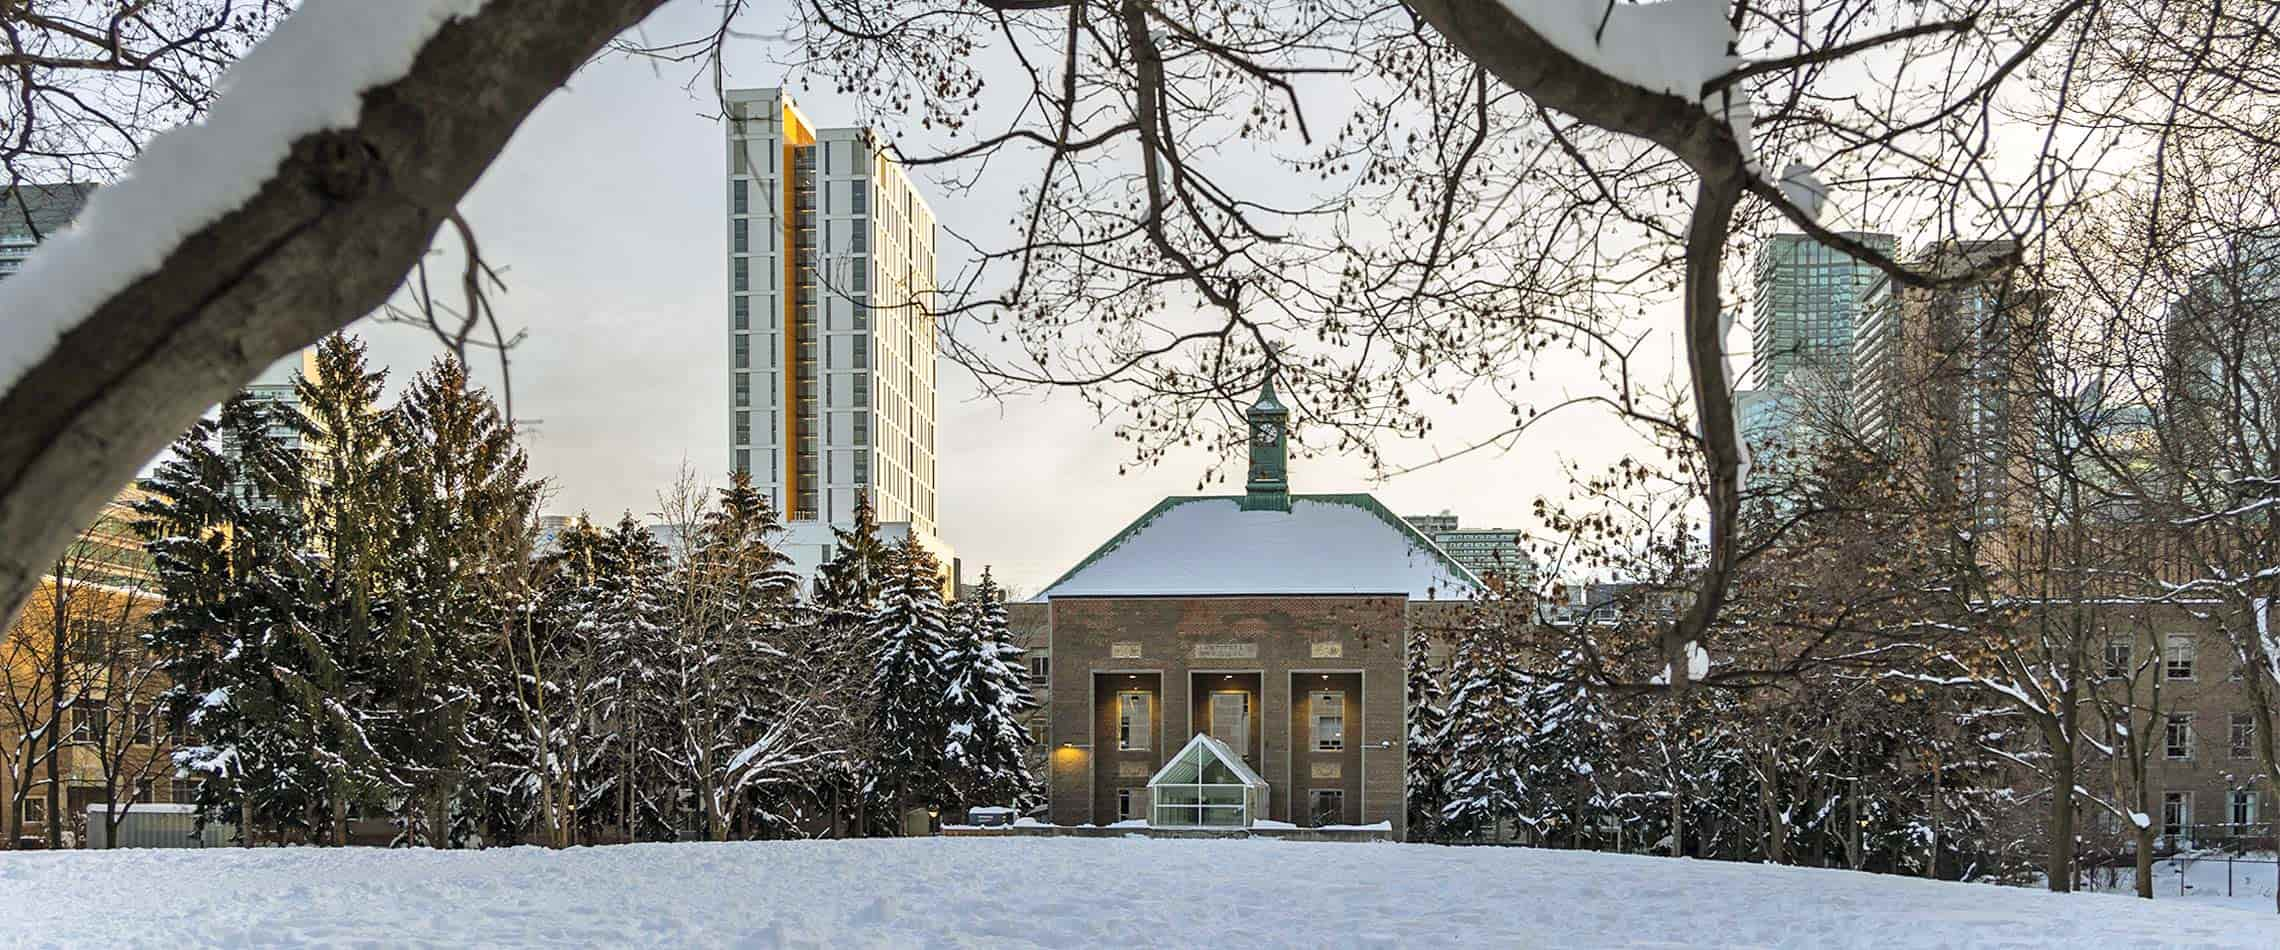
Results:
<point x="909" y="642"/>
<point x="1427" y="780"/>
<point x="235" y="634"/>
<point x="985" y="753"/>
<point x="350" y="503"/>
<point x="462" y="532"/>
<point x="833" y="663"/>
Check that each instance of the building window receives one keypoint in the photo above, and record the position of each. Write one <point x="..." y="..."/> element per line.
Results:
<point x="859" y="242"/>
<point x="743" y="243"/>
<point x="2118" y="655"/>
<point x="737" y="199"/>
<point x="1329" y="718"/>
<point x="2177" y="737"/>
<point x="743" y="273"/>
<point x="742" y="309"/>
<point x="89" y="723"/>
<point x="146" y="725"/>
<point x="2241" y="813"/>
<point x="2177" y="661"/>
<point x="743" y="427"/>
<point x="35" y="806"/>
<point x="1127" y="804"/>
<point x="1132" y="720"/>
<point x="2243" y="735"/>
<point x="744" y="461"/>
<point x="1040" y="669"/>
<point x="2176" y="813"/>
<point x="743" y="351"/>
<point x="182" y="791"/>
<point x="859" y="202"/>
<point x="743" y="389"/>
<point x="1326" y="806"/>
<point x="859" y="278"/>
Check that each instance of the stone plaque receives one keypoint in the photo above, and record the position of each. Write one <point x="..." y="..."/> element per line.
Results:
<point x="1328" y="649"/>
<point x="1328" y="770"/>
<point x="1133" y="769"/>
<point x="1226" y="651"/>
<point x="1125" y="650"/>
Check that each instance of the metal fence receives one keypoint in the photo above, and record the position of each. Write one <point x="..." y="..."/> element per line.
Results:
<point x="156" y="825"/>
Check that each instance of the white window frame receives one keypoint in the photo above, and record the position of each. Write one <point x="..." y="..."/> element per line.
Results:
<point x="2170" y="741"/>
<point x="1131" y="736"/>
<point x="2179" y="656"/>
<point x="1314" y="807"/>
<point x="1315" y="718"/>
<point x="2238" y="817"/>
<point x="2240" y="741"/>
<point x="2183" y="826"/>
<point x="1242" y="742"/>
<point x="2118" y="650"/>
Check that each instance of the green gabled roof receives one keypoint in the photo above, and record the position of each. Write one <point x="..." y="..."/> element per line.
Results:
<point x="1222" y="545"/>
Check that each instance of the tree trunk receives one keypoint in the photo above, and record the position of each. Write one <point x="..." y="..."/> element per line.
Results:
<point x="1677" y="823"/>
<point x="2144" y="838"/>
<point x="57" y="639"/>
<point x="2058" y="865"/>
<point x="339" y="812"/>
<point x="324" y="239"/>
<point x="1854" y="857"/>
<point x="439" y="817"/>
<point x="1932" y="848"/>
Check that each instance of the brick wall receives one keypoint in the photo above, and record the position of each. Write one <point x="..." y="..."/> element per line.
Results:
<point x="1359" y="637"/>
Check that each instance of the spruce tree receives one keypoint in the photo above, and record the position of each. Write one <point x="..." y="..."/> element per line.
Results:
<point x="350" y="504"/>
<point x="1428" y="759"/>
<point x="834" y="658"/>
<point x="909" y="641"/>
<point x="234" y="636"/>
<point x="463" y="527"/>
<point x="985" y="744"/>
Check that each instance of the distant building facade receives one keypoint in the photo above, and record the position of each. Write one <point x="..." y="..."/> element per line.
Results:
<point x="29" y="213"/>
<point x="1273" y="624"/>
<point x="1486" y="552"/>
<point x="831" y="280"/>
<point x="102" y="589"/>
<point x="830" y="329"/>
<point x="1938" y="373"/>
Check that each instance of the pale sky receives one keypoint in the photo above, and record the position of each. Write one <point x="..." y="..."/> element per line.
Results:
<point x="605" y="215"/>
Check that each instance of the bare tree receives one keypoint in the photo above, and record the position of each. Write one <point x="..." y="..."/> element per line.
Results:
<point x="1494" y="181"/>
<point x="77" y="646"/>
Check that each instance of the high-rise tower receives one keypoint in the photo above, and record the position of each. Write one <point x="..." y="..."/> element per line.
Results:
<point x="831" y="337"/>
<point x="830" y="325"/>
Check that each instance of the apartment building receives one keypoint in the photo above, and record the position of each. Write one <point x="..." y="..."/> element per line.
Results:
<point x="113" y="747"/>
<point x="29" y="213"/>
<point x="831" y="257"/>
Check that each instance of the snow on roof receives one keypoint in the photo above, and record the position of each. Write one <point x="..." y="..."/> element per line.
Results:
<point x="1209" y="545"/>
<point x="1220" y="750"/>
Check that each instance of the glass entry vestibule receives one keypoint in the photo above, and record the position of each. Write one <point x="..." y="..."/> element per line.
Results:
<point x="1205" y="786"/>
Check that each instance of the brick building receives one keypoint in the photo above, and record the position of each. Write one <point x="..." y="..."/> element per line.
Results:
<point x="1274" y="623"/>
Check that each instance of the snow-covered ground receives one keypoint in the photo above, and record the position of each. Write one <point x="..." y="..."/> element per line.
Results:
<point x="1062" y="892"/>
<point x="2208" y="880"/>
